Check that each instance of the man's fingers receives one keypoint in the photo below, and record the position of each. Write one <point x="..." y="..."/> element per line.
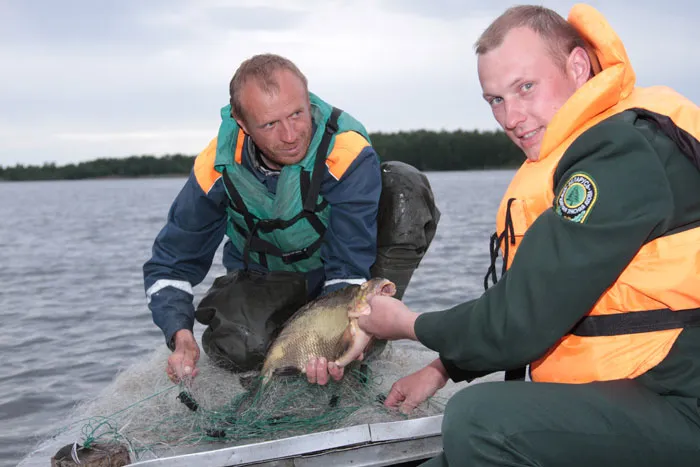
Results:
<point x="182" y="371"/>
<point x="394" y="398"/>
<point x="181" y="367"/>
<point x="311" y="371"/>
<point x="407" y="406"/>
<point x="335" y="371"/>
<point x="171" y="374"/>
<point x="319" y="369"/>
<point x="322" y="371"/>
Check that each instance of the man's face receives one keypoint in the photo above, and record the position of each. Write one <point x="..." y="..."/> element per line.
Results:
<point x="279" y="123"/>
<point x="525" y="87"/>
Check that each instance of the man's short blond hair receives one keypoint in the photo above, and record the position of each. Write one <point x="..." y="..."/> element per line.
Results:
<point x="559" y="35"/>
<point x="261" y="68"/>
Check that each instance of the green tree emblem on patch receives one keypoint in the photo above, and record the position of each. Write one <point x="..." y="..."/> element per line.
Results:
<point x="575" y="195"/>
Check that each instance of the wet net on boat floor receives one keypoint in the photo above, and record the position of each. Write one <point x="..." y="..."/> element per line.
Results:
<point x="153" y="418"/>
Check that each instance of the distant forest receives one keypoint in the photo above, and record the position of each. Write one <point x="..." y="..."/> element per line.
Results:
<point x="425" y="150"/>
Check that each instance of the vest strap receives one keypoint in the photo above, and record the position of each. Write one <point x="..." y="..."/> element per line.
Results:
<point x="517" y="374"/>
<point x="321" y="153"/>
<point x="636" y="322"/>
<point x="689" y="145"/>
<point x="263" y="247"/>
<point x="236" y="201"/>
<point x="508" y="235"/>
<point x="305" y="184"/>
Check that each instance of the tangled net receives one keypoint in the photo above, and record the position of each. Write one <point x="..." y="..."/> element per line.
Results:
<point x="154" y="418"/>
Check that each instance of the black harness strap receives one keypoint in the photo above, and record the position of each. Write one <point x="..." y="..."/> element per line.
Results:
<point x="321" y="154"/>
<point x="237" y="204"/>
<point x="263" y="247"/>
<point x="493" y="255"/>
<point x="636" y="322"/>
<point x="688" y="144"/>
<point x="517" y="374"/>
<point x="236" y="201"/>
<point x="305" y="186"/>
<point x="507" y="236"/>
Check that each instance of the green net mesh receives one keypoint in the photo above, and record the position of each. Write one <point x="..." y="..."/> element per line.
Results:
<point x="154" y="418"/>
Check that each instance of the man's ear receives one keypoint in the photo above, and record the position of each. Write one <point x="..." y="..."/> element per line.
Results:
<point x="593" y="57"/>
<point x="241" y="124"/>
<point x="579" y="66"/>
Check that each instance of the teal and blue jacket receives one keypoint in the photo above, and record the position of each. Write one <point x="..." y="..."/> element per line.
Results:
<point x="199" y="218"/>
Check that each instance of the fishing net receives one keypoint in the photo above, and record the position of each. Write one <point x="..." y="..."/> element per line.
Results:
<point x="142" y="410"/>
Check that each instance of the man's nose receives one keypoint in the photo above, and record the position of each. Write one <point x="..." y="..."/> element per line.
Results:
<point x="514" y="114"/>
<point x="287" y="132"/>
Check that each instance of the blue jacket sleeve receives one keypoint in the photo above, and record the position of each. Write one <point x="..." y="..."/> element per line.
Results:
<point x="350" y="246"/>
<point x="182" y="254"/>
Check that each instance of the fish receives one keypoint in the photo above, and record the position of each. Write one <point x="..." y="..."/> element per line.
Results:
<point x="322" y="328"/>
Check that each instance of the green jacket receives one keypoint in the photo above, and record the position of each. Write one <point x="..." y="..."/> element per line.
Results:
<point x="646" y="188"/>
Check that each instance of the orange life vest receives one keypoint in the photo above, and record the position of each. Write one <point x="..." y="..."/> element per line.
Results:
<point x="664" y="273"/>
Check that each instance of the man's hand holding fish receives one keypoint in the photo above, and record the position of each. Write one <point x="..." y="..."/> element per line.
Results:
<point x="386" y="318"/>
<point x="318" y="370"/>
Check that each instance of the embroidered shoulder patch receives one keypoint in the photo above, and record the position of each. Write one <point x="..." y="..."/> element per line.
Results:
<point x="577" y="197"/>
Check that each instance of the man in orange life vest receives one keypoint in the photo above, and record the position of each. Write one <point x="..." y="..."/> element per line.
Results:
<point x="600" y="290"/>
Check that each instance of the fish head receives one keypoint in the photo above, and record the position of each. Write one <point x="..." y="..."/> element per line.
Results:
<point x="376" y="286"/>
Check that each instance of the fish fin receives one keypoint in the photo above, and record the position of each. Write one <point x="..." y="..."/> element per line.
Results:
<point x="358" y="344"/>
<point x="359" y="310"/>
<point x="347" y="337"/>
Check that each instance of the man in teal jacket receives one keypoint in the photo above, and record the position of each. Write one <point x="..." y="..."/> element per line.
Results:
<point x="294" y="185"/>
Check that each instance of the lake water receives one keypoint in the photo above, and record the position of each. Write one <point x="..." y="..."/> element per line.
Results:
<point x="73" y="308"/>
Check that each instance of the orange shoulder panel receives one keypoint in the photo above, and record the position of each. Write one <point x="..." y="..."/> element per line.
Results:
<point x="347" y="147"/>
<point x="238" y="157"/>
<point x="204" y="170"/>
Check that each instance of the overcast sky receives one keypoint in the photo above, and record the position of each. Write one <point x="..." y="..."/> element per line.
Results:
<point x="86" y="79"/>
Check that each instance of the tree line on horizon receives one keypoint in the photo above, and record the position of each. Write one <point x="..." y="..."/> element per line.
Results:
<point x="423" y="149"/>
